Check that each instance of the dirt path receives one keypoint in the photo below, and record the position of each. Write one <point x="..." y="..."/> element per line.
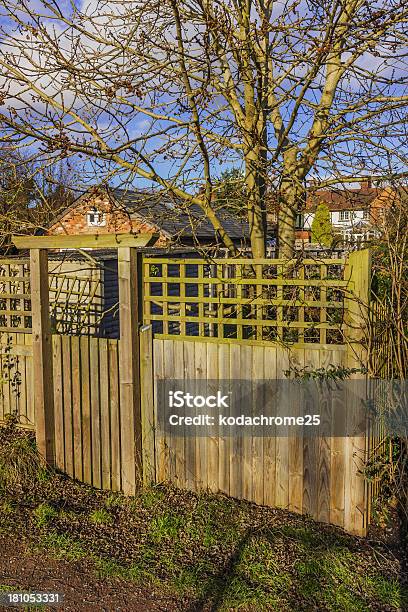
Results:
<point x="82" y="589"/>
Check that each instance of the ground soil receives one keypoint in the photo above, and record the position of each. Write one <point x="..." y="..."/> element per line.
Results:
<point x="82" y="589"/>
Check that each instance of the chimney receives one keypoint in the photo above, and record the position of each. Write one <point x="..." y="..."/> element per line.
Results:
<point x="366" y="183"/>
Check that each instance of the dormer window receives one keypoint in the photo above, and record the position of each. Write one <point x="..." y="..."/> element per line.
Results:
<point x="96" y="218"/>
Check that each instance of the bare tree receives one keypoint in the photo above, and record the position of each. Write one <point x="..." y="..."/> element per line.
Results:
<point x="170" y="90"/>
<point x="31" y="194"/>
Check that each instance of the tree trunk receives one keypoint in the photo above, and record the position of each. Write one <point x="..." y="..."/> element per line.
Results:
<point x="290" y="197"/>
<point x="256" y="203"/>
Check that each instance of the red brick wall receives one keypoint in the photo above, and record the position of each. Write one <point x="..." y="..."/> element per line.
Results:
<point x="75" y="221"/>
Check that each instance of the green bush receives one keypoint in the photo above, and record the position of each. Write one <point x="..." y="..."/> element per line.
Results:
<point x="322" y="229"/>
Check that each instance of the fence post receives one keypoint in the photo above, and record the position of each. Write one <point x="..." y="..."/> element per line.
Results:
<point x="129" y="359"/>
<point x="42" y="355"/>
<point x="358" y="275"/>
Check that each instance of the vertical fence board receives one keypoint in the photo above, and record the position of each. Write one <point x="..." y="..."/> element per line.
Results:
<point x="161" y="448"/>
<point x="295" y="450"/>
<point x="58" y="402"/>
<point x="147" y="405"/>
<point x="247" y="434"/>
<point x="190" y="442"/>
<point x="200" y="372"/>
<point x="213" y="440"/>
<point x="95" y="382"/>
<point x="282" y="446"/>
<point x="257" y="450"/>
<point x="86" y="410"/>
<point x="179" y="459"/>
<point x="105" y="390"/>
<point x="68" y="405"/>
<point x="269" y="442"/>
<point x="324" y="451"/>
<point x="224" y="369"/>
<point x="236" y="462"/>
<point x="168" y="367"/>
<point x="76" y="407"/>
<point x="114" y="414"/>
<point x="310" y="452"/>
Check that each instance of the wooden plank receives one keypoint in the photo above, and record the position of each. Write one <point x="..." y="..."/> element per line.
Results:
<point x="296" y="345"/>
<point x="24" y="391"/>
<point x="295" y="445"/>
<point x="77" y="407"/>
<point x="86" y="411"/>
<point x="338" y="451"/>
<point x="200" y="372"/>
<point x="85" y="241"/>
<point x="236" y="463"/>
<point x="324" y="448"/>
<point x="131" y="433"/>
<point x="28" y="339"/>
<point x="147" y="405"/>
<point x="3" y="410"/>
<point x="161" y="445"/>
<point x="68" y="405"/>
<point x="310" y="453"/>
<point x="258" y="377"/>
<point x="95" y="382"/>
<point x="246" y="261"/>
<point x="269" y="442"/>
<point x="358" y="275"/>
<point x="190" y="441"/>
<point x="178" y="441"/>
<point x="213" y="439"/>
<point x="247" y="433"/>
<point x="224" y="368"/>
<point x="171" y="444"/>
<point x="42" y="356"/>
<point x="105" y="390"/>
<point x="115" y="419"/>
<point x="58" y="403"/>
<point x="282" y="440"/>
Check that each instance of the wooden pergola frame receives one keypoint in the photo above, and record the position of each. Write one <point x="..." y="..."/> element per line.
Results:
<point x="129" y="273"/>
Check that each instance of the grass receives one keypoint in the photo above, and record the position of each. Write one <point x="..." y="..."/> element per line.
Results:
<point x="101" y="517"/>
<point x="208" y="550"/>
<point x="44" y="514"/>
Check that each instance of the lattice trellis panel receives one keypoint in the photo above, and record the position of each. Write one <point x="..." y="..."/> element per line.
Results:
<point x="262" y="299"/>
<point x="76" y="300"/>
<point x="15" y="295"/>
<point x="76" y="303"/>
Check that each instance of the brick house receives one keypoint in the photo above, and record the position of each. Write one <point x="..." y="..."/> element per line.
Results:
<point x="102" y="210"/>
<point x="355" y="214"/>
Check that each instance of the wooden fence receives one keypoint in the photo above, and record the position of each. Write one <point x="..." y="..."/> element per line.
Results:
<point x="98" y="404"/>
<point x="317" y="476"/>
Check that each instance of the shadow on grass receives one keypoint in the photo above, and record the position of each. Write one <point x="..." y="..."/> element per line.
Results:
<point x="324" y="572"/>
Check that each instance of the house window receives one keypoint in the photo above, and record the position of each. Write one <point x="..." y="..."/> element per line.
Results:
<point x="344" y="215"/>
<point x="96" y="218"/>
<point x="366" y="215"/>
<point x="299" y="221"/>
